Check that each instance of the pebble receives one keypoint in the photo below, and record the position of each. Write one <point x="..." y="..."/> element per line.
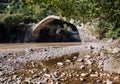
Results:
<point x="56" y="74"/>
<point x="80" y="60"/>
<point x="77" y="75"/>
<point x="93" y="75"/>
<point x="110" y="40"/>
<point x="89" y="62"/>
<point x="117" y="78"/>
<point x="74" y="57"/>
<point x="68" y="61"/>
<point x="115" y="50"/>
<point x="82" y="79"/>
<point x="82" y="67"/>
<point x="28" y="79"/>
<point x="90" y="70"/>
<point x="108" y="82"/>
<point x="100" y="63"/>
<point x="47" y="75"/>
<point x="1" y="73"/>
<point x="45" y="70"/>
<point x="2" y="55"/>
<point x="59" y="63"/>
<point x="50" y="82"/>
<point x="84" y="74"/>
<point x="62" y="74"/>
<point x="18" y="81"/>
<point x="97" y="81"/>
<point x="87" y="56"/>
<point x="14" y="77"/>
<point x="95" y="52"/>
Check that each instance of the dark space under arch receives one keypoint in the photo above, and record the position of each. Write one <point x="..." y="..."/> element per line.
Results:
<point x="55" y="31"/>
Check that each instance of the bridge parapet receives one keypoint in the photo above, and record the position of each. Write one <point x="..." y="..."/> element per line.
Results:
<point x="42" y="24"/>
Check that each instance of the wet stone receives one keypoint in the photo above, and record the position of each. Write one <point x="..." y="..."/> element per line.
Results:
<point x="89" y="61"/>
<point x="68" y="61"/>
<point x="59" y="63"/>
<point x="82" y="67"/>
<point x="94" y="75"/>
<point x="14" y="76"/>
<point x="2" y="55"/>
<point x="87" y="56"/>
<point x="1" y="73"/>
<point x="82" y="79"/>
<point x="84" y="74"/>
<point x="108" y="82"/>
<point x="80" y="60"/>
<point x="117" y="78"/>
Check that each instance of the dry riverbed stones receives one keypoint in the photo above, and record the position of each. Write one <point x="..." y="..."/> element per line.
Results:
<point x="68" y="69"/>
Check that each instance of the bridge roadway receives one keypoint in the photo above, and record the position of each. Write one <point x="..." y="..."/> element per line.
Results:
<point x="36" y="45"/>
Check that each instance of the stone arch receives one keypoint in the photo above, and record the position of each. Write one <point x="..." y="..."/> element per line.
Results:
<point x="42" y="23"/>
<point x="38" y="27"/>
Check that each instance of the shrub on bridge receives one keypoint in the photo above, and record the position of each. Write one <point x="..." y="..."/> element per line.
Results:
<point x="13" y="20"/>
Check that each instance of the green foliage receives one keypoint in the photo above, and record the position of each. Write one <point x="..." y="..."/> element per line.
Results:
<point x="5" y="1"/>
<point x="28" y="19"/>
<point x="112" y="31"/>
<point x="108" y="12"/>
<point x="12" y="21"/>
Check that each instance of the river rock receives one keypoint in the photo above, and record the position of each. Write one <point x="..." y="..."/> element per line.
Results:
<point x="117" y="78"/>
<point x="45" y="70"/>
<point x="75" y="57"/>
<point x="80" y="60"/>
<point x="89" y="61"/>
<point x="62" y="74"/>
<point x="68" y="61"/>
<point x="19" y="80"/>
<point x="50" y="82"/>
<point x="93" y="75"/>
<point x="82" y="79"/>
<point x="108" y="82"/>
<point x="84" y="74"/>
<point x="98" y="81"/>
<point x="112" y="65"/>
<point x="90" y="70"/>
<point x="116" y="50"/>
<point x="60" y="63"/>
<point x="100" y="63"/>
<point x="28" y="79"/>
<point x="2" y="55"/>
<point x="82" y="67"/>
<point x="91" y="47"/>
<point x="95" y="52"/>
<point x="47" y="75"/>
<point x="56" y="74"/>
<point x="14" y="76"/>
<point x="87" y="56"/>
<point x="110" y="40"/>
<point x="1" y="73"/>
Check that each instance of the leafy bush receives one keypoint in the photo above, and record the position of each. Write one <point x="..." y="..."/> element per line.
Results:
<point x="3" y="6"/>
<point x="28" y="19"/>
<point x="12" y="20"/>
<point x="108" y="12"/>
<point x="113" y="32"/>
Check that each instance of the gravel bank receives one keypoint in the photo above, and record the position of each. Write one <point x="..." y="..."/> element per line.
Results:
<point x="56" y="65"/>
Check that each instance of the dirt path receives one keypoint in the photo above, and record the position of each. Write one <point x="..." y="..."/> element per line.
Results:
<point x="36" y="45"/>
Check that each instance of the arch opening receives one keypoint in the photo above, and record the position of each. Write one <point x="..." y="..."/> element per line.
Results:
<point x="55" y="30"/>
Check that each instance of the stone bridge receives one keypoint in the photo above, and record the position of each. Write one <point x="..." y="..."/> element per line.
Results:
<point x="35" y="30"/>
